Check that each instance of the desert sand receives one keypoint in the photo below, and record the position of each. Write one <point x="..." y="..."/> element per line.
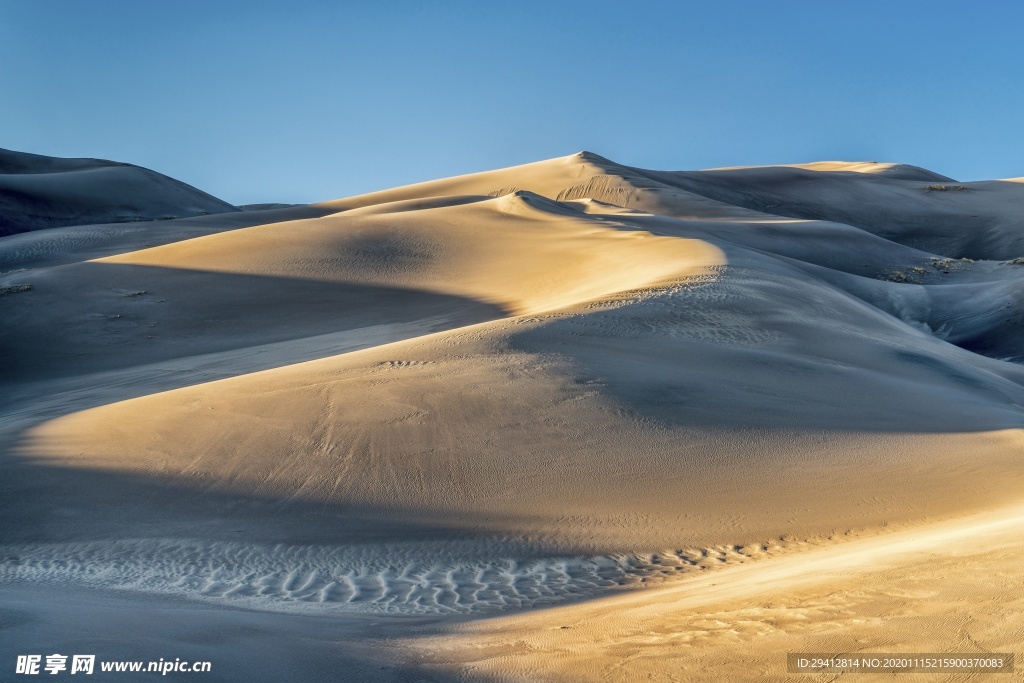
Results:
<point x="565" y="421"/>
<point x="46" y="192"/>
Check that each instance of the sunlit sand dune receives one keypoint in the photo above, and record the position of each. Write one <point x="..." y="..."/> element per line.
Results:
<point x="684" y="412"/>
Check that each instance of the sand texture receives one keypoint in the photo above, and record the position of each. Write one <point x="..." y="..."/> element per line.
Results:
<point x="566" y="421"/>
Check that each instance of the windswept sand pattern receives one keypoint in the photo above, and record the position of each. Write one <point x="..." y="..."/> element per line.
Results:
<point x="694" y="309"/>
<point x="603" y="188"/>
<point x="404" y="580"/>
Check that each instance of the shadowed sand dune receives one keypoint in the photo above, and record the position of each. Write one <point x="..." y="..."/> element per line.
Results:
<point x="565" y="381"/>
<point x="46" y="192"/>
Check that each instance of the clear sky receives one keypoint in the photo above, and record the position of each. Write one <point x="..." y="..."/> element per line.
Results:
<point x="305" y="101"/>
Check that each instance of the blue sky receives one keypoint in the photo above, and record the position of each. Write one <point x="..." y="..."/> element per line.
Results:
<point x="306" y="101"/>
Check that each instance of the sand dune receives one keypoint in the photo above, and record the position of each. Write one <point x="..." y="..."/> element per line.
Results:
<point x="868" y="595"/>
<point x="46" y="192"/>
<point x="522" y="388"/>
<point x="76" y="243"/>
<point x="893" y="171"/>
